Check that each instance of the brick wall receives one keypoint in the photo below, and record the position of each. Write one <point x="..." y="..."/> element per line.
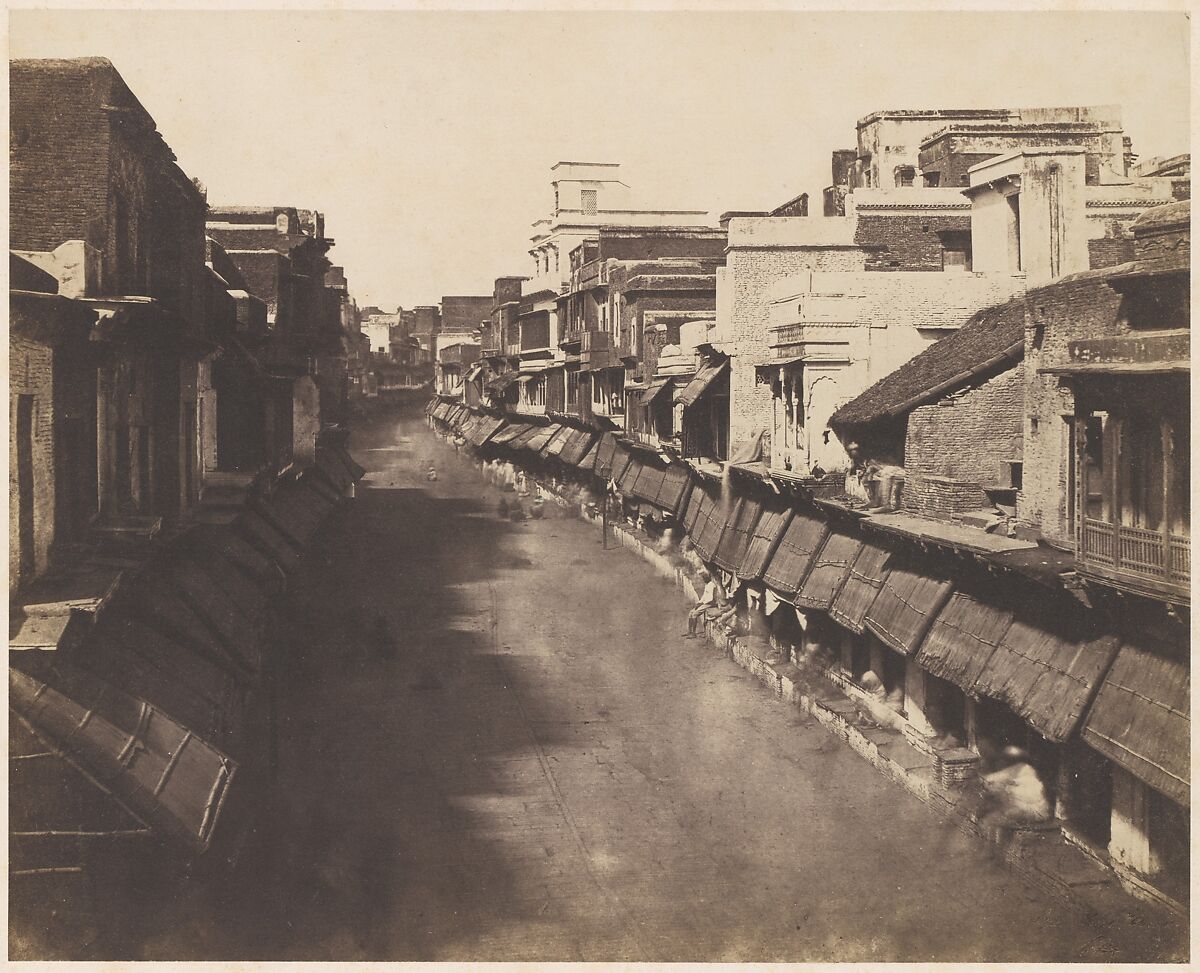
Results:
<point x="1074" y="308"/>
<point x="941" y="497"/>
<point x="31" y="373"/>
<point x="971" y="436"/>
<point x="1109" y="251"/>
<point x="58" y="153"/>
<point x="906" y="242"/>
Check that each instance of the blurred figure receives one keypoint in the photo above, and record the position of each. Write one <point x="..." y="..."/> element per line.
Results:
<point x="1014" y="794"/>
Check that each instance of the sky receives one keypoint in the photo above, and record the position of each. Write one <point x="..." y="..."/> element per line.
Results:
<point x="427" y="138"/>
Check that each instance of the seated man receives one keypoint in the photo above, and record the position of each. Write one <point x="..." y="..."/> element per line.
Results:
<point x="708" y="601"/>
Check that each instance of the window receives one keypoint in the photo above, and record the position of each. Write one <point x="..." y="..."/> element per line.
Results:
<point x="932" y="179"/>
<point x="905" y="175"/>
<point x="789" y="416"/>
<point x="587" y="200"/>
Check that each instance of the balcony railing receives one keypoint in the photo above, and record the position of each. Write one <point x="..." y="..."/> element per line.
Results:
<point x="1136" y="554"/>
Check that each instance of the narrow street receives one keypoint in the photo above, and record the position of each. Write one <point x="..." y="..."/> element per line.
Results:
<point x="544" y="771"/>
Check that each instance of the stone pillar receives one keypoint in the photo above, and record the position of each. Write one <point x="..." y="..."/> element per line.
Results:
<point x="1129" y="838"/>
<point x="915" y="704"/>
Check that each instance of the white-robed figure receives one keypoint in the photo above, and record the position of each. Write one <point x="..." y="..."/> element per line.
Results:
<point x="1015" y="792"/>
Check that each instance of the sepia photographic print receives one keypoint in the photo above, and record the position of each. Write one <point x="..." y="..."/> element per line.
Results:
<point x="620" y="485"/>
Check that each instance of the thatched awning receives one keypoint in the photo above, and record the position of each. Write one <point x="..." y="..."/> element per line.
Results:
<point x="606" y="448"/>
<point x="648" y="481"/>
<point x="1049" y="664"/>
<point x="1140" y="719"/>
<point x="622" y="457"/>
<point x="912" y="595"/>
<point x="735" y="540"/>
<point x="963" y="639"/>
<point x="629" y="475"/>
<point x="675" y="485"/>
<point x="830" y="566"/>
<point x="793" y="557"/>
<point x="763" y="540"/>
<point x="862" y="585"/>
<point x="706" y="520"/>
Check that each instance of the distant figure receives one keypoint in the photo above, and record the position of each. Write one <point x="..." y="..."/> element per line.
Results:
<point x="535" y="508"/>
<point x="817" y="473"/>
<point x="381" y="639"/>
<point x="431" y="475"/>
<point x="502" y="507"/>
<point x="516" y="513"/>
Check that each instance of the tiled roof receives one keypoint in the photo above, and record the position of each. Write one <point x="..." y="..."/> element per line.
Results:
<point x="988" y="333"/>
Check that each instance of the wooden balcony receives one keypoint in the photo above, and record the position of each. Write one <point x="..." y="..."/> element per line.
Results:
<point x="596" y="350"/>
<point x="1148" y="561"/>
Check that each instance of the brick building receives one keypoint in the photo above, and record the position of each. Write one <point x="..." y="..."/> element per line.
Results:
<point x="52" y="421"/>
<point x="1061" y="418"/>
<point x="99" y="203"/>
<point x="813" y="311"/>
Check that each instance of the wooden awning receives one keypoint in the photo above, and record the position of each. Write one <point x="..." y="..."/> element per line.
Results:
<point x="708" y="374"/>
<point x="794" y="555"/>
<point x="912" y="595"/>
<point x="509" y="433"/>
<point x="654" y="390"/>
<point x="1141" y="717"/>
<point x="163" y="773"/>
<point x="830" y="567"/>
<point x="538" y="439"/>
<point x="577" y="447"/>
<point x="556" y="442"/>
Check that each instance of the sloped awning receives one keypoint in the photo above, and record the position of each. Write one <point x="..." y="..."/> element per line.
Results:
<point x="735" y="539"/>
<point x="794" y="555"/>
<point x="487" y="428"/>
<point x="577" y="447"/>
<point x="706" y="518"/>
<point x="539" y="438"/>
<point x="654" y="390"/>
<point x="558" y="440"/>
<point x="498" y="384"/>
<point x="606" y="447"/>
<point x="160" y="771"/>
<point x="629" y="474"/>
<point x="648" y="481"/>
<point x="708" y="374"/>
<point x="622" y="459"/>
<point x="860" y="588"/>
<point x="1140" y="719"/>
<point x="830" y="567"/>
<point x="912" y="595"/>
<point x="763" y="541"/>
<point x="472" y="373"/>
<point x="510" y="432"/>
